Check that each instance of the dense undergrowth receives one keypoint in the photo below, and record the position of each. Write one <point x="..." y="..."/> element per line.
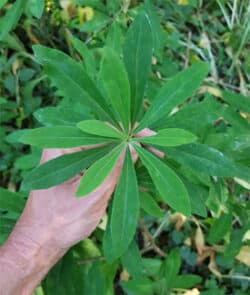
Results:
<point x="203" y="253"/>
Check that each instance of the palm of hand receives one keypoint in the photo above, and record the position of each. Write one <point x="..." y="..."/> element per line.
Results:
<point x="72" y="219"/>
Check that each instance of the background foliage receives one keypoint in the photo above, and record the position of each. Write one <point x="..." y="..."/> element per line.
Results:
<point x="207" y="253"/>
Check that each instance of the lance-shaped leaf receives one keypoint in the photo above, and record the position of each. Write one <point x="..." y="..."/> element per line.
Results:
<point x="57" y="116"/>
<point x="11" y="201"/>
<point x="132" y="261"/>
<point x="137" y="54"/>
<point x="114" y="38"/>
<point x="86" y="54"/>
<point x="107" y="244"/>
<point x="169" y="185"/>
<point x="125" y="208"/>
<point x="60" y="137"/>
<point x="208" y="160"/>
<point x="99" y="128"/>
<point x="220" y="228"/>
<point x="237" y="101"/>
<point x="176" y="90"/>
<point x="186" y="281"/>
<point x="171" y="267"/>
<point x="11" y="18"/>
<point x="97" y="173"/>
<point x="71" y="78"/>
<point x="149" y="205"/>
<point x="62" y="168"/>
<point x="116" y="85"/>
<point x="36" y="7"/>
<point x="169" y="137"/>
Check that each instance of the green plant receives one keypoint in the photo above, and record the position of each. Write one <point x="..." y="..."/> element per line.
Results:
<point x="208" y="249"/>
<point x="118" y="100"/>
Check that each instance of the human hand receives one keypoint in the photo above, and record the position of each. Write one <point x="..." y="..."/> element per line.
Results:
<point x="57" y="209"/>
<point x="53" y="220"/>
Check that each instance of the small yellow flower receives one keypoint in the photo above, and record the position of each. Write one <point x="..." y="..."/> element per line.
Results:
<point x="183" y="2"/>
<point x="85" y="14"/>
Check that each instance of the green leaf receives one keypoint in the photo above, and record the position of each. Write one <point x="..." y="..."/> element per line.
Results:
<point x="168" y="137"/>
<point x="36" y="7"/>
<point x="114" y="38"/>
<point x="236" y="120"/>
<point x="158" y="32"/>
<point x="229" y="142"/>
<point x="97" y="23"/>
<point x="137" y="52"/>
<point x="62" y="168"/>
<point x="132" y="261"/>
<point x="149" y="205"/>
<point x="99" y="128"/>
<point x="68" y="272"/>
<point x="170" y="187"/>
<point x="97" y="173"/>
<point x="11" y="201"/>
<point x="60" y="137"/>
<point x="171" y="267"/>
<point x="2" y="3"/>
<point x="70" y="77"/>
<point x="152" y="266"/>
<point x="176" y="90"/>
<point x="205" y="159"/>
<point x="116" y="85"/>
<point x="198" y="196"/>
<point x="107" y="244"/>
<point x="237" y="101"/>
<point x="11" y="18"/>
<point x="6" y="227"/>
<point x="139" y="287"/>
<point x="125" y="209"/>
<point x="95" y="281"/>
<point x="86" y="54"/>
<point x="220" y="228"/>
<point x="51" y="116"/>
<point x="28" y="161"/>
<point x="236" y="241"/>
<point x="186" y="281"/>
<point x="205" y="112"/>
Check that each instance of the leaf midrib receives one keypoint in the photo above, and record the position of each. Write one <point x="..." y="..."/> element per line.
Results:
<point x="84" y="94"/>
<point x="154" y="112"/>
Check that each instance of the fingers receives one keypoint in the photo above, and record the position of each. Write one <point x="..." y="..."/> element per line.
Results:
<point x="49" y="154"/>
<point x="106" y="188"/>
<point x="133" y="152"/>
<point x="156" y="152"/>
<point x="113" y="127"/>
<point x="145" y="132"/>
<point x="148" y="132"/>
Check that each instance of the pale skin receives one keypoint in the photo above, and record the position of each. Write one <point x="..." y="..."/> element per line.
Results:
<point x="53" y="220"/>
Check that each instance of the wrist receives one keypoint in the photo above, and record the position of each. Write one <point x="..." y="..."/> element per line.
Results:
<point x="28" y="254"/>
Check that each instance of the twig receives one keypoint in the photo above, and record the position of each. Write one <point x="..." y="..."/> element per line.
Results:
<point x="225" y="15"/>
<point x="233" y="13"/>
<point x="159" y="229"/>
<point x="237" y="277"/>
<point x="211" y="57"/>
<point x="149" y="241"/>
<point x="195" y="48"/>
<point x="188" y="49"/>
